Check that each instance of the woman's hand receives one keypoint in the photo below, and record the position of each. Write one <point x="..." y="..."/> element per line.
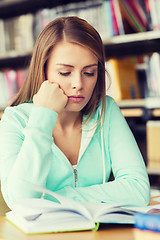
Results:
<point x="51" y="96"/>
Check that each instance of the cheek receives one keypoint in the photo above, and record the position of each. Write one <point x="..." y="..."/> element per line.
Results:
<point x="53" y="77"/>
<point x="63" y="83"/>
<point x="50" y="77"/>
<point x="91" y="86"/>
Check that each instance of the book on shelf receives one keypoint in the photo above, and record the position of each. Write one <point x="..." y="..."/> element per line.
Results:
<point x="15" y="37"/>
<point x="92" y="11"/>
<point x="10" y="83"/>
<point x="134" y="14"/>
<point x="108" y="21"/>
<point x="124" y="79"/>
<point x="4" y="94"/>
<point x="11" y="76"/>
<point x="153" y="139"/>
<point x="153" y="73"/>
<point x="154" y="7"/>
<point x="3" y="38"/>
<point x="118" y="16"/>
<point x="64" y="214"/>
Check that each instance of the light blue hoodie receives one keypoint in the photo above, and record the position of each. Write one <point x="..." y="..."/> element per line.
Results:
<point x="28" y="153"/>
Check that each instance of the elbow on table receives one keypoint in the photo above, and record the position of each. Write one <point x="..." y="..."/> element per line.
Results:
<point x="14" y="192"/>
<point x="143" y="194"/>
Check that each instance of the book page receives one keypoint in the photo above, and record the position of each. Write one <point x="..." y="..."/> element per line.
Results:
<point x="105" y="212"/>
<point x="97" y="209"/>
<point x="32" y="208"/>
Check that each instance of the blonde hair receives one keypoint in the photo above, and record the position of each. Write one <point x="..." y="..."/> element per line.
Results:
<point x="73" y="30"/>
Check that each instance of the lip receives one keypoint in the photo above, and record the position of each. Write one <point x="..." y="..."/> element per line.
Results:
<point x="76" y="99"/>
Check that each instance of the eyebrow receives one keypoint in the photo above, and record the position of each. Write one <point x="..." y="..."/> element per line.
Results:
<point x="68" y="65"/>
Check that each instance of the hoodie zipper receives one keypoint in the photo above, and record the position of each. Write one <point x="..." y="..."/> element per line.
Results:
<point x="73" y="168"/>
<point x="75" y="176"/>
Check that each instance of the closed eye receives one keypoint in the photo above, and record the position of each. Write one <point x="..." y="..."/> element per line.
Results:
<point x="89" y="74"/>
<point x="64" y="73"/>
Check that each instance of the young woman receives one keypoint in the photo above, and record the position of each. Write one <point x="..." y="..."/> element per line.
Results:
<point x="62" y="132"/>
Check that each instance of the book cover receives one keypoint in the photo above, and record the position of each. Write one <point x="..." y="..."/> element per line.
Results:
<point x="21" y="74"/>
<point x="9" y="34"/>
<point x="11" y="78"/>
<point x="124" y="79"/>
<point x="3" y="40"/>
<point x="146" y="8"/>
<point x="148" y="221"/>
<point x="4" y="94"/>
<point x="154" y="14"/>
<point x="130" y="15"/>
<point x="139" y="12"/>
<point x="153" y="139"/>
<point x="114" y="19"/>
<point x="108" y="19"/>
<point x="118" y="16"/>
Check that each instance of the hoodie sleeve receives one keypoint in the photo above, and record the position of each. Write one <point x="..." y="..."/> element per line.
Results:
<point x="25" y="153"/>
<point x="131" y="184"/>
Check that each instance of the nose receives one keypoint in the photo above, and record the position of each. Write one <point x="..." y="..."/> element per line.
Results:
<point x="77" y="82"/>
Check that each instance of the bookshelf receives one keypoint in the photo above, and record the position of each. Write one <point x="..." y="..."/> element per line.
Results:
<point x="153" y="171"/>
<point x="127" y="45"/>
<point x="132" y="44"/>
<point x="134" y="108"/>
<point x="9" y="9"/>
<point x="137" y="110"/>
<point x="15" y="60"/>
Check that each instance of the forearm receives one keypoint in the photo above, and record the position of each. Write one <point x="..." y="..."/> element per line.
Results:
<point x="29" y="155"/>
<point x="121" y="191"/>
<point x="32" y="164"/>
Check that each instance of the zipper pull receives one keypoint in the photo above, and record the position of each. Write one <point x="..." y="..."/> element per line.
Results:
<point x="75" y="176"/>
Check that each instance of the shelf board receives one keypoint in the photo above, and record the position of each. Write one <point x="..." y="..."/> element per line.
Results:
<point x="131" y="103"/>
<point x="132" y="44"/>
<point x="16" y="7"/>
<point x="15" y="60"/>
<point x="153" y="171"/>
<point x="156" y="112"/>
<point x="134" y="37"/>
<point x="135" y="112"/>
<point x="149" y="103"/>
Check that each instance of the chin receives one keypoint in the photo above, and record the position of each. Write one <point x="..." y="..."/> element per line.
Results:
<point x="74" y="108"/>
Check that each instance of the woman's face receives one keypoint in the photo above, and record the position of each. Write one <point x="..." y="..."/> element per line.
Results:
<point x="75" y="69"/>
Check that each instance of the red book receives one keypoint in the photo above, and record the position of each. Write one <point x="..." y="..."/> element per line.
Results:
<point x="11" y="76"/>
<point x="21" y="74"/>
<point x="114" y="19"/>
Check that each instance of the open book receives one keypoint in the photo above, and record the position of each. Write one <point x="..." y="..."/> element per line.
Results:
<point x="44" y="216"/>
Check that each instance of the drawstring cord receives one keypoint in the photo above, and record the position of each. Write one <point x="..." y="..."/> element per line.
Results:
<point x="103" y="157"/>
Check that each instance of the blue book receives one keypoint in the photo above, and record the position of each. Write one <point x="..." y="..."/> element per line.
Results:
<point x="146" y="221"/>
